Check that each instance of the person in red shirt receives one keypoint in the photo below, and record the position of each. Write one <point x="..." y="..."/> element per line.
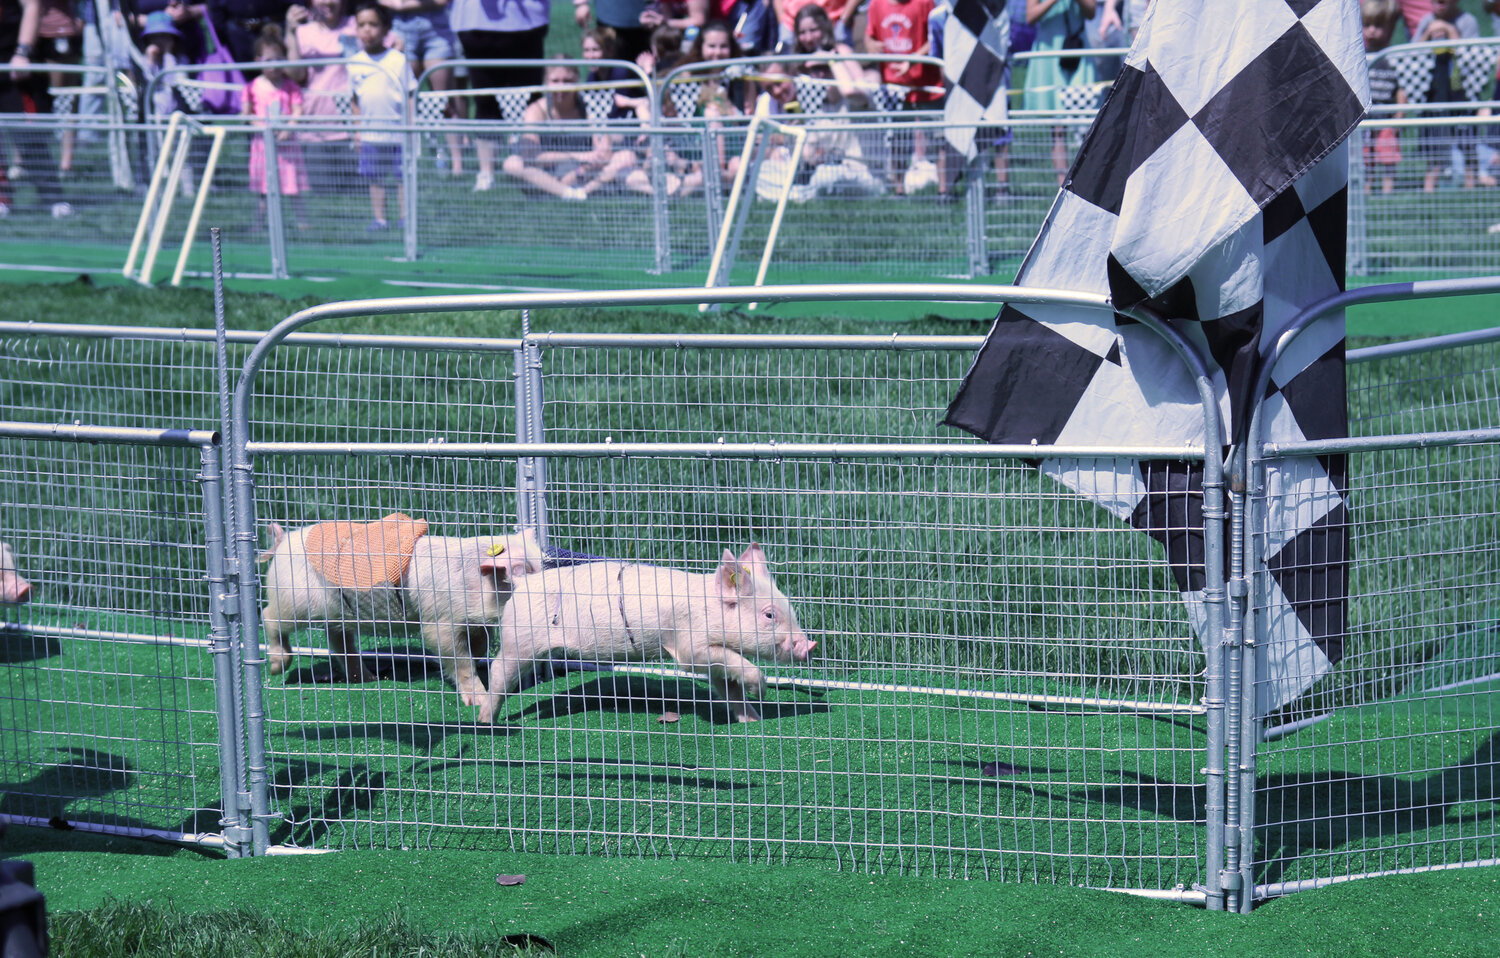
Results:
<point x="900" y="27"/>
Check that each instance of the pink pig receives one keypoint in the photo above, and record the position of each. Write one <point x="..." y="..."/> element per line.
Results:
<point x="13" y="589"/>
<point x="612" y="611"/>
<point x="451" y="592"/>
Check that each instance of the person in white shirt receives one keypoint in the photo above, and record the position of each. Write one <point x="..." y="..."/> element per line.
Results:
<point x="381" y="80"/>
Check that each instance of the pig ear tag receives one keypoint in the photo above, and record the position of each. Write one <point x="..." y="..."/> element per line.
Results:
<point x="496" y="550"/>
<point x="734" y="579"/>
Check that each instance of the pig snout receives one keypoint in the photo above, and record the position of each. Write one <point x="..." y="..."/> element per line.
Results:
<point x="14" y="590"/>
<point x="797" y="646"/>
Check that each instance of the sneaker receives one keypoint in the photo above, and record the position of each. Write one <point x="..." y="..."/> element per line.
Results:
<point x="1494" y="229"/>
<point x="440" y="160"/>
<point x="575" y="194"/>
<point x="377" y="226"/>
<point x="16" y="172"/>
<point x="61" y="211"/>
<point x="4" y="210"/>
<point x="484" y="182"/>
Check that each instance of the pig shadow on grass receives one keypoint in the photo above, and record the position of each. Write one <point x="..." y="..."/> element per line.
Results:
<point x="397" y="663"/>
<point x="1180" y="801"/>
<point x="17" y="646"/>
<point x="85" y="775"/>
<point x="991" y="773"/>
<point x="650" y="696"/>
<point x="313" y="809"/>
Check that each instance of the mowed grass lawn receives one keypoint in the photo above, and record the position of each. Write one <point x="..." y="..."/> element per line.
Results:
<point x="402" y="751"/>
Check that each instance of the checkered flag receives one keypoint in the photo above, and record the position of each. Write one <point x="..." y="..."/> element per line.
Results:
<point x="1476" y="65"/>
<point x="1212" y="188"/>
<point x="976" y="48"/>
<point x="1414" y="72"/>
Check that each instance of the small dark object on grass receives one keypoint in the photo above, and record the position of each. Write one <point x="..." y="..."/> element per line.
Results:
<point x="997" y="768"/>
<point x="510" y="879"/>
<point x="667" y="718"/>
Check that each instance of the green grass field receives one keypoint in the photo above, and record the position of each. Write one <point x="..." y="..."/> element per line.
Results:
<point x="700" y="836"/>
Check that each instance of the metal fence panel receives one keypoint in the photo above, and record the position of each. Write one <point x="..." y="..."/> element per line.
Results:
<point x="980" y="632"/>
<point x="1402" y="774"/>
<point x="110" y="718"/>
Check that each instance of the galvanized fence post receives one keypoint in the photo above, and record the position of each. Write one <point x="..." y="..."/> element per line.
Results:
<point x="1358" y="238"/>
<point x="1218" y="622"/>
<point x="410" y="167"/>
<point x="1215" y="771"/>
<point x="713" y="182"/>
<point x="660" y="226"/>
<point x="1231" y="646"/>
<point x="221" y="643"/>
<point x="232" y="737"/>
<point x="256" y="770"/>
<point x="531" y="476"/>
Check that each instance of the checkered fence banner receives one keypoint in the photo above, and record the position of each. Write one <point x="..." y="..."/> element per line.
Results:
<point x="1415" y="69"/>
<point x="1212" y="188"/>
<point x="976" y="50"/>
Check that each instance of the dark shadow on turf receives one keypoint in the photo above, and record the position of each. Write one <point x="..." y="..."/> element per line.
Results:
<point x="314" y="809"/>
<point x="395" y="663"/>
<point x="648" y="696"/>
<point x="17" y="646"/>
<point x="1311" y="812"/>
<point x="90" y="774"/>
<point x="1183" y="801"/>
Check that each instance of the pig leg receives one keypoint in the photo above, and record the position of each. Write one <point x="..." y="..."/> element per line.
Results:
<point x="344" y="644"/>
<point x="455" y="657"/>
<point x="507" y="674"/>
<point x="479" y="643"/>
<point x="731" y="675"/>
<point x="277" y="630"/>
<point x="276" y="648"/>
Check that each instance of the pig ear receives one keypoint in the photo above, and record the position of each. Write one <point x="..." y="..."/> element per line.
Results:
<point x="490" y="565"/>
<point x="733" y="578"/>
<point x="503" y="561"/>
<point x="755" y="560"/>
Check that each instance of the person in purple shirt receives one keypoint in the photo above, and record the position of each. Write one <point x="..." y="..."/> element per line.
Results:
<point x="499" y="30"/>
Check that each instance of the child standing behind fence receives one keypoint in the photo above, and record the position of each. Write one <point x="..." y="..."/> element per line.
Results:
<point x="381" y="79"/>
<point x="274" y="89"/>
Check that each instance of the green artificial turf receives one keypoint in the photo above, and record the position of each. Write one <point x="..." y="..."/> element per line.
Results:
<point x="616" y="907"/>
<point x="583" y="764"/>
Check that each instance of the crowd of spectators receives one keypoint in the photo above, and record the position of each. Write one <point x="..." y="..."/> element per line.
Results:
<point x="420" y="37"/>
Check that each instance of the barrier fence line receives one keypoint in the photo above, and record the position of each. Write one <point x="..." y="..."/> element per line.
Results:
<point x="1056" y="663"/>
<point x="632" y="233"/>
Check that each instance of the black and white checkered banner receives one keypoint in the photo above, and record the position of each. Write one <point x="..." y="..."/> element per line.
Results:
<point x="1212" y="188"/>
<point x="976" y="46"/>
<point x="1415" y="69"/>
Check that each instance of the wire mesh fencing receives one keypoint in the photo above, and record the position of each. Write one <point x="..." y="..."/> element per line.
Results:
<point x="117" y="710"/>
<point x="1395" y="770"/>
<point x="877" y="193"/>
<point x="1002" y="681"/>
